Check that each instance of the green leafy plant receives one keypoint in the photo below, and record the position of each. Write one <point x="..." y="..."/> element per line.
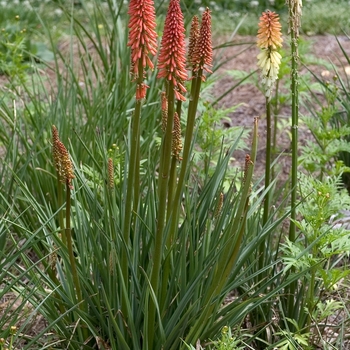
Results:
<point x="18" y="48"/>
<point x="130" y="226"/>
<point x="113" y="263"/>
<point x="12" y="56"/>
<point x="318" y="250"/>
<point x="324" y="155"/>
<point x="227" y="341"/>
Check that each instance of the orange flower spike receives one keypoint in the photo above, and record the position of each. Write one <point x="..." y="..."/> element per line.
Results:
<point x="194" y="35"/>
<point x="203" y="53"/>
<point x="67" y="167"/>
<point x="55" y="149"/>
<point x="62" y="161"/>
<point x="269" y="39"/>
<point x="172" y="57"/>
<point x="269" y="33"/>
<point x="142" y="34"/>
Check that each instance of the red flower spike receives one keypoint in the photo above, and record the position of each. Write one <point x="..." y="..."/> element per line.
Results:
<point x="203" y="53"/>
<point x="172" y="57"/>
<point x="142" y="35"/>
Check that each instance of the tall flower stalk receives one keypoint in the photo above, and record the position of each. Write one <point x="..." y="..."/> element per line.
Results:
<point x="172" y="67"/>
<point x="143" y="44"/>
<point x="200" y="58"/>
<point x="65" y="175"/>
<point x="269" y="41"/>
<point x="294" y="24"/>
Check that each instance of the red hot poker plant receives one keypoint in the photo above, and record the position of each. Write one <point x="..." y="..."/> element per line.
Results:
<point x="202" y="55"/>
<point x="172" y="67"/>
<point x="142" y="40"/>
<point x="172" y="57"/>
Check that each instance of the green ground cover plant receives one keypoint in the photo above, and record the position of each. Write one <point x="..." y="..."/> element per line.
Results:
<point x="124" y="224"/>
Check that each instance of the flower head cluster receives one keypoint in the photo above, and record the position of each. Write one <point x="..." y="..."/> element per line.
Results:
<point x="269" y="40"/>
<point x="142" y="38"/>
<point x="172" y="57"/>
<point x="269" y="33"/>
<point x="202" y="56"/>
<point x="61" y="158"/>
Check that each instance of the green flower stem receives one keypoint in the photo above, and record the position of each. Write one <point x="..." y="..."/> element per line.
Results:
<point x="11" y="342"/>
<point x="51" y="272"/>
<point x="191" y="117"/>
<point x="175" y="207"/>
<point x="167" y="260"/>
<point x="133" y="186"/>
<point x="173" y="168"/>
<point x="73" y="265"/>
<point x="294" y="90"/>
<point x="275" y="113"/>
<point x="163" y="182"/>
<point x="60" y="213"/>
<point x="295" y="102"/>
<point x="137" y="170"/>
<point x="267" y="177"/>
<point x="172" y="184"/>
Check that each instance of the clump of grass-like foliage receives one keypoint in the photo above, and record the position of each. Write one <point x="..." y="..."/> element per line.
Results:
<point x="123" y="225"/>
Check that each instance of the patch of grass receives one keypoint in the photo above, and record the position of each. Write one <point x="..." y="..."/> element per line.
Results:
<point x="323" y="17"/>
<point x="318" y="18"/>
